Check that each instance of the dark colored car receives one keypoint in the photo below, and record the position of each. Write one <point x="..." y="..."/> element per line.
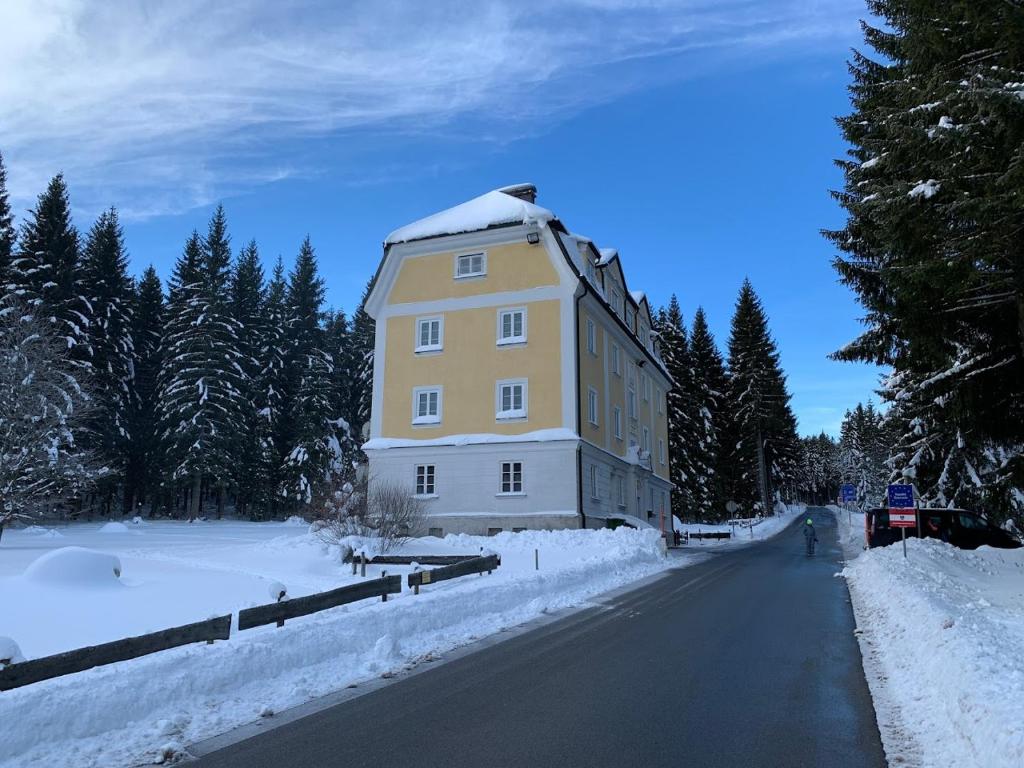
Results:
<point x="960" y="527"/>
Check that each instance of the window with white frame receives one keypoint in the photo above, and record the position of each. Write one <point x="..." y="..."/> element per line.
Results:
<point x="660" y="397"/>
<point x="592" y="405"/>
<point x="631" y="391"/>
<point x="650" y="497"/>
<point x="617" y="422"/>
<point x="645" y="334"/>
<point x="631" y="319"/>
<point x="426" y="405"/>
<point x="429" y="334"/>
<point x="647" y="441"/>
<point x="512" y="326"/>
<point x="617" y="302"/>
<point x="511" y="478"/>
<point x="647" y="387"/>
<point x="591" y="337"/>
<point x="661" y="451"/>
<point x="591" y="272"/>
<point x="620" y="490"/>
<point x="511" y="399"/>
<point x="471" y="265"/>
<point x="593" y="482"/>
<point x="616" y="360"/>
<point x="425" y="480"/>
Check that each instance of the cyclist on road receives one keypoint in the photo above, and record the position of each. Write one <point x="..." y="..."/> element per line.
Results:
<point x="810" y="536"/>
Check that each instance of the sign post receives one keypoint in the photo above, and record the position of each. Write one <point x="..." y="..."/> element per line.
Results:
<point x="902" y="510"/>
<point x="849" y="495"/>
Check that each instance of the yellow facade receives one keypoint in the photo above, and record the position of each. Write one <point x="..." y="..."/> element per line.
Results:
<point x="592" y="376"/>
<point x="512" y="267"/>
<point x="469" y="367"/>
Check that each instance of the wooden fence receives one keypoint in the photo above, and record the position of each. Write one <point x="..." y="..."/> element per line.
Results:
<point x="303" y="606"/>
<point x="81" y="659"/>
<point x="465" y="568"/>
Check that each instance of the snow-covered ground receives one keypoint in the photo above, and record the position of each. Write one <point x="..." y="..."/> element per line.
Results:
<point x="172" y="573"/>
<point x="942" y="634"/>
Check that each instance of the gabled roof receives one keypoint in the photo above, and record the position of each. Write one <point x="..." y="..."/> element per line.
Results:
<point x="496" y="208"/>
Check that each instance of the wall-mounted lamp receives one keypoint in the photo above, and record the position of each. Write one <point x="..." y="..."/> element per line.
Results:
<point x="533" y="237"/>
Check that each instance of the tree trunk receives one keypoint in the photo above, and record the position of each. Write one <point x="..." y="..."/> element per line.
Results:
<point x="196" y="502"/>
<point x="220" y="501"/>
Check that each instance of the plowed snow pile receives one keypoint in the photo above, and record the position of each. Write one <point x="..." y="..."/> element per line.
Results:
<point x="943" y="635"/>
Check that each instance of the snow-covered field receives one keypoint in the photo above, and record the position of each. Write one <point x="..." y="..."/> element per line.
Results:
<point x="942" y="634"/>
<point x="173" y="573"/>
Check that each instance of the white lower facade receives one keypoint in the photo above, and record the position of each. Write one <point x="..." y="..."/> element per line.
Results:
<point x="487" y="488"/>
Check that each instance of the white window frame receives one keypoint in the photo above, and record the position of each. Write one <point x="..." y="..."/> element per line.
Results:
<point x="645" y="386"/>
<point x="591" y="269"/>
<point x="594" y="483"/>
<point x="511" y="311"/>
<point x="593" y="406"/>
<point x="645" y="334"/>
<point x="420" y="321"/>
<point x="660" y="397"/>
<point x="483" y="265"/>
<point x="616" y="300"/>
<point x="616" y="360"/>
<point x="428" y="491"/>
<point x="630" y="319"/>
<point x="591" y="337"/>
<point x="620" y="490"/>
<point x="513" y="414"/>
<point x="617" y="421"/>
<point x="661" y="451"/>
<point x="646" y="444"/>
<point x="511" y="464"/>
<point x="631" y="401"/>
<point x="429" y="419"/>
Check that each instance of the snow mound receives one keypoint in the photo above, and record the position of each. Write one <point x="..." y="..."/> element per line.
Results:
<point x="295" y="520"/>
<point x="75" y="567"/>
<point x="114" y="527"/>
<point x="489" y="210"/>
<point x="10" y="653"/>
<point x="48" y="533"/>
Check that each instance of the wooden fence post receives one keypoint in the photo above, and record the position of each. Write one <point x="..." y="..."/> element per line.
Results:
<point x="384" y="597"/>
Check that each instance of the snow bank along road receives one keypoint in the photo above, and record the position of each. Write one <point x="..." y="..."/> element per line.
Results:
<point x="745" y="659"/>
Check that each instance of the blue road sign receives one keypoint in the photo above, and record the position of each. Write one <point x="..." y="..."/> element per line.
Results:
<point x="901" y="497"/>
<point x="849" y="492"/>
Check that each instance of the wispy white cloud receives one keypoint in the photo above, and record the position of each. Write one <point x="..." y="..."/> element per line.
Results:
<point x="163" y="106"/>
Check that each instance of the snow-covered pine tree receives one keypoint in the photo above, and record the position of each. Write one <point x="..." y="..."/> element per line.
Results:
<point x="200" y="400"/>
<point x="45" y="273"/>
<point x="362" y="336"/>
<point x="760" y="407"/>
<point x="675" y="352"/>
<point x="7" y="235"/>
<point x="932" y="241"/>
<point x="312" y="441"/>
<point x="109" y="292"/>
<point x="709" y="394"/>
<point x="41" y="405"/>
<point x="270" y="392"/>
<point x="345" y="385"/>
<point x="248" y="294"/>
<point x="142" y="475"/>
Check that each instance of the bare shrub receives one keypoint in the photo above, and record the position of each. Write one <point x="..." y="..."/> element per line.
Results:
<point x="383" y="511"/>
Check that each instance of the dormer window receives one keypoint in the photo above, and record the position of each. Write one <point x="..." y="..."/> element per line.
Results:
<point x="631" y="319"/>
<point x="470" y="265"/>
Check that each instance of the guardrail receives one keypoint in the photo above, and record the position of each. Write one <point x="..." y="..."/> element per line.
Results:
<point x="35" y="670"/>
<point x="278" y="613"/>
<point x="421" y="559"/>
<point x="480" y="565"/>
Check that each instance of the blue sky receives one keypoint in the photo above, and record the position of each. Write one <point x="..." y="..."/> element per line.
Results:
<point x="695" y="136"/>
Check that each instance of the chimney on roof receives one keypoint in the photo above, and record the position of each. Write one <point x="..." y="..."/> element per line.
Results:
<point x="527" y="192"/>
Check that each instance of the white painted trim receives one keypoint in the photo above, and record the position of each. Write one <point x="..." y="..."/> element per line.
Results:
<point x="617" y="423"/>
<point x="525" y="410"/>
<point x="551" y="513"/>
<point x="439" y="347"/>
<point x="511" y="340"/>
<point x="477" y="301"/>
<point x="522" y="477"/>
<point x="380" y="345"/>
<point x="415" y="479"/>
<point x="593" y="417"/>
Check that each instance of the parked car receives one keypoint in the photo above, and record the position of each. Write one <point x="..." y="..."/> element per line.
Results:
<point x="960" y="527"/>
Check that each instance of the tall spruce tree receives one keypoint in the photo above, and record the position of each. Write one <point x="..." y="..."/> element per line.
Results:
<point x="45" y="274"/>
<point x="142" y="475"/>
<point x="312" y="442"/>
<point x="7" y="235"/>
<point x="709" y="395"/>
<point x="682" y="437"/>
<point x="270" y="393"/>
<point x="109" y="293"/>
<point x="362" y="338"/>
<point x="932" y="243"/>
<point x="764" y="456"/>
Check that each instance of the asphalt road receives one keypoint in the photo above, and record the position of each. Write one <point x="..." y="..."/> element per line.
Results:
<point x="746" y="659"/>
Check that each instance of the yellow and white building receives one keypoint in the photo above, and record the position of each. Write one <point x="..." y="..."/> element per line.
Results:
<point x="517" y="383"/>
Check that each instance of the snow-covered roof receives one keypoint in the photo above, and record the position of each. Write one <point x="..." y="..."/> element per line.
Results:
<point x="607" y="254"/>
<point x="638" y="297"/>
<point x="492" y="209"/>
<point x="581" y="238"/>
